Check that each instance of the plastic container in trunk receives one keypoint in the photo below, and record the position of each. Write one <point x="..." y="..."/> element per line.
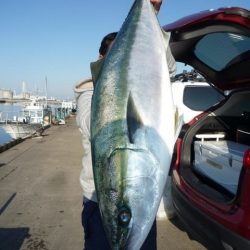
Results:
<point x="220" y="161"/>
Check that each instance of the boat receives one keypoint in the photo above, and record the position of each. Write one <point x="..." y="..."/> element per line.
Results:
<point x="35" y="113"/>
<point x="22" y="130"/>
<point x="61" y="113"/>
<point x="32" y="120"/>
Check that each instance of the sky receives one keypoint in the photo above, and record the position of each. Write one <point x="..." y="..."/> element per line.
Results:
<point x="57" y="39"/>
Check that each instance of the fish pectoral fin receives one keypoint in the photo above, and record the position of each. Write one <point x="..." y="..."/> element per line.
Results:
<point x="134" y="121"/>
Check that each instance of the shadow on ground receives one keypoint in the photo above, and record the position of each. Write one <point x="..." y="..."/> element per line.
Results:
<point x="177" y="222"/>
<point x="13" y="238"/>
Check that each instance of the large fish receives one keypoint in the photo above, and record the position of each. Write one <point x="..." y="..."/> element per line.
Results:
<point x="132" y="128"/>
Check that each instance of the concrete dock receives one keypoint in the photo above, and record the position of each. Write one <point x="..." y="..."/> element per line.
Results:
<point x="41" y="199"/>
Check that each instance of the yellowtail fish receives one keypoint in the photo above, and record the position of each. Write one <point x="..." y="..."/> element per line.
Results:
<point x="132" y="128"/>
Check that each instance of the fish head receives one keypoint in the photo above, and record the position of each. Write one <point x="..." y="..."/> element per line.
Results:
<point x="131" y="197"/>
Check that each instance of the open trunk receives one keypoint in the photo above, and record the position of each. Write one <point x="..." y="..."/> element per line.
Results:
<point x="214" y="146"/>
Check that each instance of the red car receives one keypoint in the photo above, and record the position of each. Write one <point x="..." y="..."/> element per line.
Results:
<point x="211" y="170"/>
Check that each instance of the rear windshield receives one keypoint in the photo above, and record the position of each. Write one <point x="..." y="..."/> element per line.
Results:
<point x="199" y="98"/>
<point x="219" y="50"/>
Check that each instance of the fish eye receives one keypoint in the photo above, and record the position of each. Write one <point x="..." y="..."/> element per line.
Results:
<point x="124" y="216"/>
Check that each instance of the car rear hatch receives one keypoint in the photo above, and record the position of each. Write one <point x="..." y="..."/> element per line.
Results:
<point x="217" y="44"/>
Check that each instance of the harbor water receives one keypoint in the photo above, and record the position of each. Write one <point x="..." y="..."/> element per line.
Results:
<point x="8" y="111"/>
<point x="4" y="137"/>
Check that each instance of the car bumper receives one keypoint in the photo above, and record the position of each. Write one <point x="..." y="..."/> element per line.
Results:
<point x="203" y="228"/>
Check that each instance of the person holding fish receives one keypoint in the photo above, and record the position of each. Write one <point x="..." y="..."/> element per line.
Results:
<point x="95" y="237"/>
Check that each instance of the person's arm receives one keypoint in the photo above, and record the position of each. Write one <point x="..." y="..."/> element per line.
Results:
<point x="83" y="93"/>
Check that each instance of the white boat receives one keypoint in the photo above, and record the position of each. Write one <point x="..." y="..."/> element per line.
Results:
<point x="22" y="130"/>
<point x="33" y="119"/>
<point x="61" y="113"/>
<point x="35" y="113"/>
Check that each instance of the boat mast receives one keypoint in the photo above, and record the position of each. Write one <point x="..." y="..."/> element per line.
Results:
<point x="46" y="91"/>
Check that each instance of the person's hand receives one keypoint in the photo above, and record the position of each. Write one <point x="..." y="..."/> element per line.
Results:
<point x="156" y="4"/>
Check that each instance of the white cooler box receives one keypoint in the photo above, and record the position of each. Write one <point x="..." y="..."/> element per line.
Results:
<point x="220" y="161"/>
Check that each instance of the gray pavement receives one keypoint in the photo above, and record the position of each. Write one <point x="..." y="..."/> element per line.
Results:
<point x="40" y="196"/>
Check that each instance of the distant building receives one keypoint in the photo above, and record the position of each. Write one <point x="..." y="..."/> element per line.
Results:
<point x="23" y="95"/>
<point x="68" y="104"/>
<point x="6" y="94"/>
<point x="37" y="98"/>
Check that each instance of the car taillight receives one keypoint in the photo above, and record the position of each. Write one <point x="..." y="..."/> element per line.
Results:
<point x="245" y="183"/>
<point x="178" y="153"/>
<point x="246" y="159"/>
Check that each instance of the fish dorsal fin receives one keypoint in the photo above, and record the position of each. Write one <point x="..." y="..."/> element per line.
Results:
<point x="96" y="68"/>
<point x="134" y="121"/>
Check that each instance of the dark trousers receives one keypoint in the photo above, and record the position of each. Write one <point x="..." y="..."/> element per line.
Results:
<point x="95" y="238"/>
